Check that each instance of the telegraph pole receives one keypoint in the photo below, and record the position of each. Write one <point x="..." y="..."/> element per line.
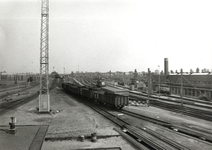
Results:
<point x="44" y="97"/>
<point x="159" y="81"/>
<point x="181" y="86"/>
<point x="149" y="86"/>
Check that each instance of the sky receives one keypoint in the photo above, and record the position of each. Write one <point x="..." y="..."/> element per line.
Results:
<point x="104" y="35"/>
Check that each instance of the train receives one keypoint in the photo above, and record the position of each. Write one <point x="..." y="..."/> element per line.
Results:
<point x="117" y="98"/>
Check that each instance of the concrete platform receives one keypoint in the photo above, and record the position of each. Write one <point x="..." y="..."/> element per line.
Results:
<point x="25" y="138"/>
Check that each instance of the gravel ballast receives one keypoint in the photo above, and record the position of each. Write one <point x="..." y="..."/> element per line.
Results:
<point x="68" y="120"/>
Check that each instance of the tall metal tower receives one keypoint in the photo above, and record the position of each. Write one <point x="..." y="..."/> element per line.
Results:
<point x="44" y="97"/>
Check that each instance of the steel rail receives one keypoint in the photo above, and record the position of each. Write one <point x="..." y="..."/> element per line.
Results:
<point x="15" y="91"/>
<point x="5" y="107"/>
<point x="14" y="104"/>
<point x="131" y="140"/>
<point x="183" y="110"/>
<point x="142" y="135"/>
<point x="203" y="134"/>
<point x="194" y="112"/>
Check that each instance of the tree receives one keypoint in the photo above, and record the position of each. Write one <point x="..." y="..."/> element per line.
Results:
<point x="161" y="72"/>
<point x="202" y="71"/>
<point x="172" y="71"/>
<point x="191" y="71"/>
<point x="197" y="70"/>
<point x="157" y="71"/>
<point x="135" y="74"/>
<point x="143" y="72"/>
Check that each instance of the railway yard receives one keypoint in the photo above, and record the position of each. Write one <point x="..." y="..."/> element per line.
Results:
<point x="83" y="94"/>
<point x="84" y="121"/>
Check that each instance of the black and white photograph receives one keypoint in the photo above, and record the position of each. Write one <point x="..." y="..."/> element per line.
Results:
<point x="105" y="74"/>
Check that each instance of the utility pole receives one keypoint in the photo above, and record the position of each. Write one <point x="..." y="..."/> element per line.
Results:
<point x="181" y="86"/>
<point x="64" y="73"/>
<point x="149" y="86"/>
<point x="44" y="97"/>
<point x="159" y="80"/>
<point x="78" y="70"/>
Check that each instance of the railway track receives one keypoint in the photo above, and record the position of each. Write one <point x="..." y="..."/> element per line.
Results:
<point x="12" y="88"/>
<point x="152" y="139"/>
<point x="7" y="106"/>
<point x="146" y="139"/>
<point x="186" y="100"/>
<point x="197" y="132"/>
<point x="145" y="136"/>
<point x="193" y="112"/>
<point x="191" y="100"/>
<point x="176" y="107"/>
<point x="203" y="134"/>
<point x="14" y="91"/>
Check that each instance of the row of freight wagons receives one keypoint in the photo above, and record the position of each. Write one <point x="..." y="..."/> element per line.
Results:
<point x="106" y="95"/>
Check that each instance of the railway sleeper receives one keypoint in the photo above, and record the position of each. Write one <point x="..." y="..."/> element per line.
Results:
<point x="192" y="132"/>
<point x="149" y="139"/>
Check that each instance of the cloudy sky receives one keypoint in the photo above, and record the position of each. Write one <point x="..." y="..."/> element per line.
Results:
<point x="103" y="35"/>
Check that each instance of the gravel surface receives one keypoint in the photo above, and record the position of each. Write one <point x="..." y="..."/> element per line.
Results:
<point x="18" y="94"/>
<point x="68" y="118"/>
<point x="169" y="116"/>
<point x="174" y="118"/>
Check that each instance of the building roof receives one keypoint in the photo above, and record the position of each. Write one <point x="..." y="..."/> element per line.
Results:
<point x="191" y="74"/>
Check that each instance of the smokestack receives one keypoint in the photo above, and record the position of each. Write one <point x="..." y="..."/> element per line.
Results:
<point x="166" y="66"/>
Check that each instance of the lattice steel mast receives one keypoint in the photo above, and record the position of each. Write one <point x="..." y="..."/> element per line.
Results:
<point x="44" y="102"/>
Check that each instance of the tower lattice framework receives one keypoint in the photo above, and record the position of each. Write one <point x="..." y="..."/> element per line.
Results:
<point x="44" y="57"/>
<point x="44" y="48"/>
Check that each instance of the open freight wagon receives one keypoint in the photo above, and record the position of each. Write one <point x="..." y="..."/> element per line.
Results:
<point x="113" y="96"/>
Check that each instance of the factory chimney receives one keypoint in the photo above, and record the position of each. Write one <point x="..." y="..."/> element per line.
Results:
<point x="166" y="67"/>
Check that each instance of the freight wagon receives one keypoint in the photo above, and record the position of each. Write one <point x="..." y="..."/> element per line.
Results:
<point x="109" y="96"/>
<point x="113" y="90"/>
<point x="88" y="92"/>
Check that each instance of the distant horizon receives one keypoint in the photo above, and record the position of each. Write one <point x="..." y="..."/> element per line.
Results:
<point x="155" y="71"/>
<point x="99" y="35"/>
